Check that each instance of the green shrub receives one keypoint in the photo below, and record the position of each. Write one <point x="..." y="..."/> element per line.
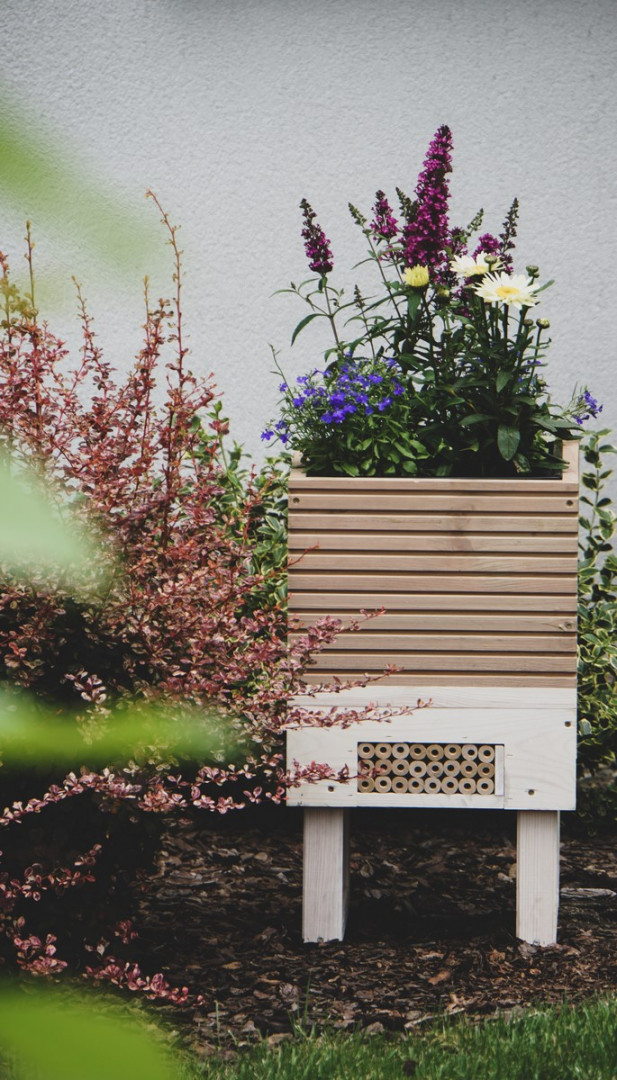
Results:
<point x="597" y="634"/>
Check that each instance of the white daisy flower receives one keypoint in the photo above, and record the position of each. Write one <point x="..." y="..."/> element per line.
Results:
<point x="466" y="266"/>
<point x="511" y="290"/>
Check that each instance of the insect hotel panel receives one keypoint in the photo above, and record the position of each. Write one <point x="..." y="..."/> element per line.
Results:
<point x="478" y="583"/>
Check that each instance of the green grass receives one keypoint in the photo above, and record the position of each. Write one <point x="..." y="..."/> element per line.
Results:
<point x="566" y="1043"/>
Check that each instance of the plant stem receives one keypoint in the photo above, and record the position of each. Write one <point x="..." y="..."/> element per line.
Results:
<point x="377" y="259"/>
<point x="332" y="318"/>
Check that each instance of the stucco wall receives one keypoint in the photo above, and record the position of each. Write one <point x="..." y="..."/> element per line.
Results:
<point x="232" y="110"/>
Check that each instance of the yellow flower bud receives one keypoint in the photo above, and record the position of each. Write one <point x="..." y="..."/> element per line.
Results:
<point x="416" y="276"/>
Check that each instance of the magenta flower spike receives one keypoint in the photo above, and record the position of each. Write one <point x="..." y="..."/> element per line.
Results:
<point x="316" y="244"/>
<point x="487" y="244"/>
<point x="384" y="224"/>
<point x="427" y="235"/>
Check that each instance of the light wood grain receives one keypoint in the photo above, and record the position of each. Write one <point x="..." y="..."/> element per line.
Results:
<point x="539" y="585"/>
<point x="460" y="697"/>
<point x="462" y="620"/>
<point x="451" y="503"/>
<point x="325" y="891"/>
<point x="537" y="876"/>
<point x="467" y="563"/>
<point x="360" y="546"/>
<point x="331" y="660"/>
<point x="539" y="754"/>
<point x="317" y="522"/>
<point x="456" y="679"/>
<point x="326" y="602"/>
<point x="571" y="455"/>
<point x="298" y="480"/>
<point x="364" y="639"/>
<point x="356" y="542"/>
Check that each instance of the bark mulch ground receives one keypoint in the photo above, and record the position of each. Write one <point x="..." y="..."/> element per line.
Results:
<point x="430" y="931"/>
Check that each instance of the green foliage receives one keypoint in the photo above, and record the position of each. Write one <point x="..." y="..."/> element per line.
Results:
<point x="354" y="419"/>
<point x="33" y="532"/>
<point x="51" y="1034"/>
<point x="474" y="403"/>
<point x="41" y="177"/>
<point x="597" y="611"/>
<point x="459" y="329"/>
<point x="566" y="1043"/>
<point x="33" y="733"/>
<point x="252" y="506"/>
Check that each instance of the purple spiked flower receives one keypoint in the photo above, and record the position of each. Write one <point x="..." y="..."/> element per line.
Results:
<point x="426" y="236"/>
<point x="384" y="224"/>
<point x="487" y="245"/>
<point x="316" y="244"/>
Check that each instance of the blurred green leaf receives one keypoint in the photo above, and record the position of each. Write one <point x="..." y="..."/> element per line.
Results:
<point x="47" y="181"/>
<point x="34" y="535"/>
<point x="32" y="733"/>
<point x="55" y="1035"/>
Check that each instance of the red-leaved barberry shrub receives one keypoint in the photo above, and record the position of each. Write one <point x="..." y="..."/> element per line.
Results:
<point x="183" y="606"/>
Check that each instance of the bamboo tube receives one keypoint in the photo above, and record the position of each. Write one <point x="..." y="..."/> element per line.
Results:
<point x="383" y="783"/>
<point x="400" y="750"/>
<point x="486" y="753"/>
<point x="451" y="768"/>
<point x="400" y="767"/>
<point x="449" y="785"/>
<point x="452" y="751"/>
<point x="417" y="768"/>
<point x="434" y="752"/>
<point x="431" y="785"/>
<point x="485" y="787"/>
<point x="384" y="767"/>
<point x="416" y="786"/>
<point x="486" y="769"/>
<point x="366" y="750"/>
<point x="469" y="751"/>
<point x="434" y="768"/>
<point x="467" y="786"/>
<point x="417" y="751"/>
<point x="383" y="751"/>
<point x="366" y="784"/>
<point x="400" y="785"/>
<point x="469" y="768"/>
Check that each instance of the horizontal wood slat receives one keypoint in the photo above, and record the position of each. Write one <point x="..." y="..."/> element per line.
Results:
<point x="328" y="581"/>
<point x="468" y="562"/>
<point x="447" y="503"/>
<point x="413" y="603"/>
<point x="363" y="640"/>
<point x="443" y="541"/>
<point x="470" y="697"/>
<point x="462" y="620"/>
<point x="442" y="662"/>
<point x="318" y="522"/>
<point x="478" y="578"/>
<point x="474" y="680"/>
<point x="567" y="483"/>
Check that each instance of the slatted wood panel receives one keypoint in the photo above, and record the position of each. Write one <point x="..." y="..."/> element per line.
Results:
<point x="478" y="578"/>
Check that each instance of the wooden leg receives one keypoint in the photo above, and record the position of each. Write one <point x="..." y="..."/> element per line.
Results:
<point x="537" y="876"/>
<point x="325" y="890"/>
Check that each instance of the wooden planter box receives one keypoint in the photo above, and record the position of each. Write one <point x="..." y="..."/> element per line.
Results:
<point x="478" y="579"/>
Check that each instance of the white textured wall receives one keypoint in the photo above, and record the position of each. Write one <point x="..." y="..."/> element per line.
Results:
<point x="232" y="110"/>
